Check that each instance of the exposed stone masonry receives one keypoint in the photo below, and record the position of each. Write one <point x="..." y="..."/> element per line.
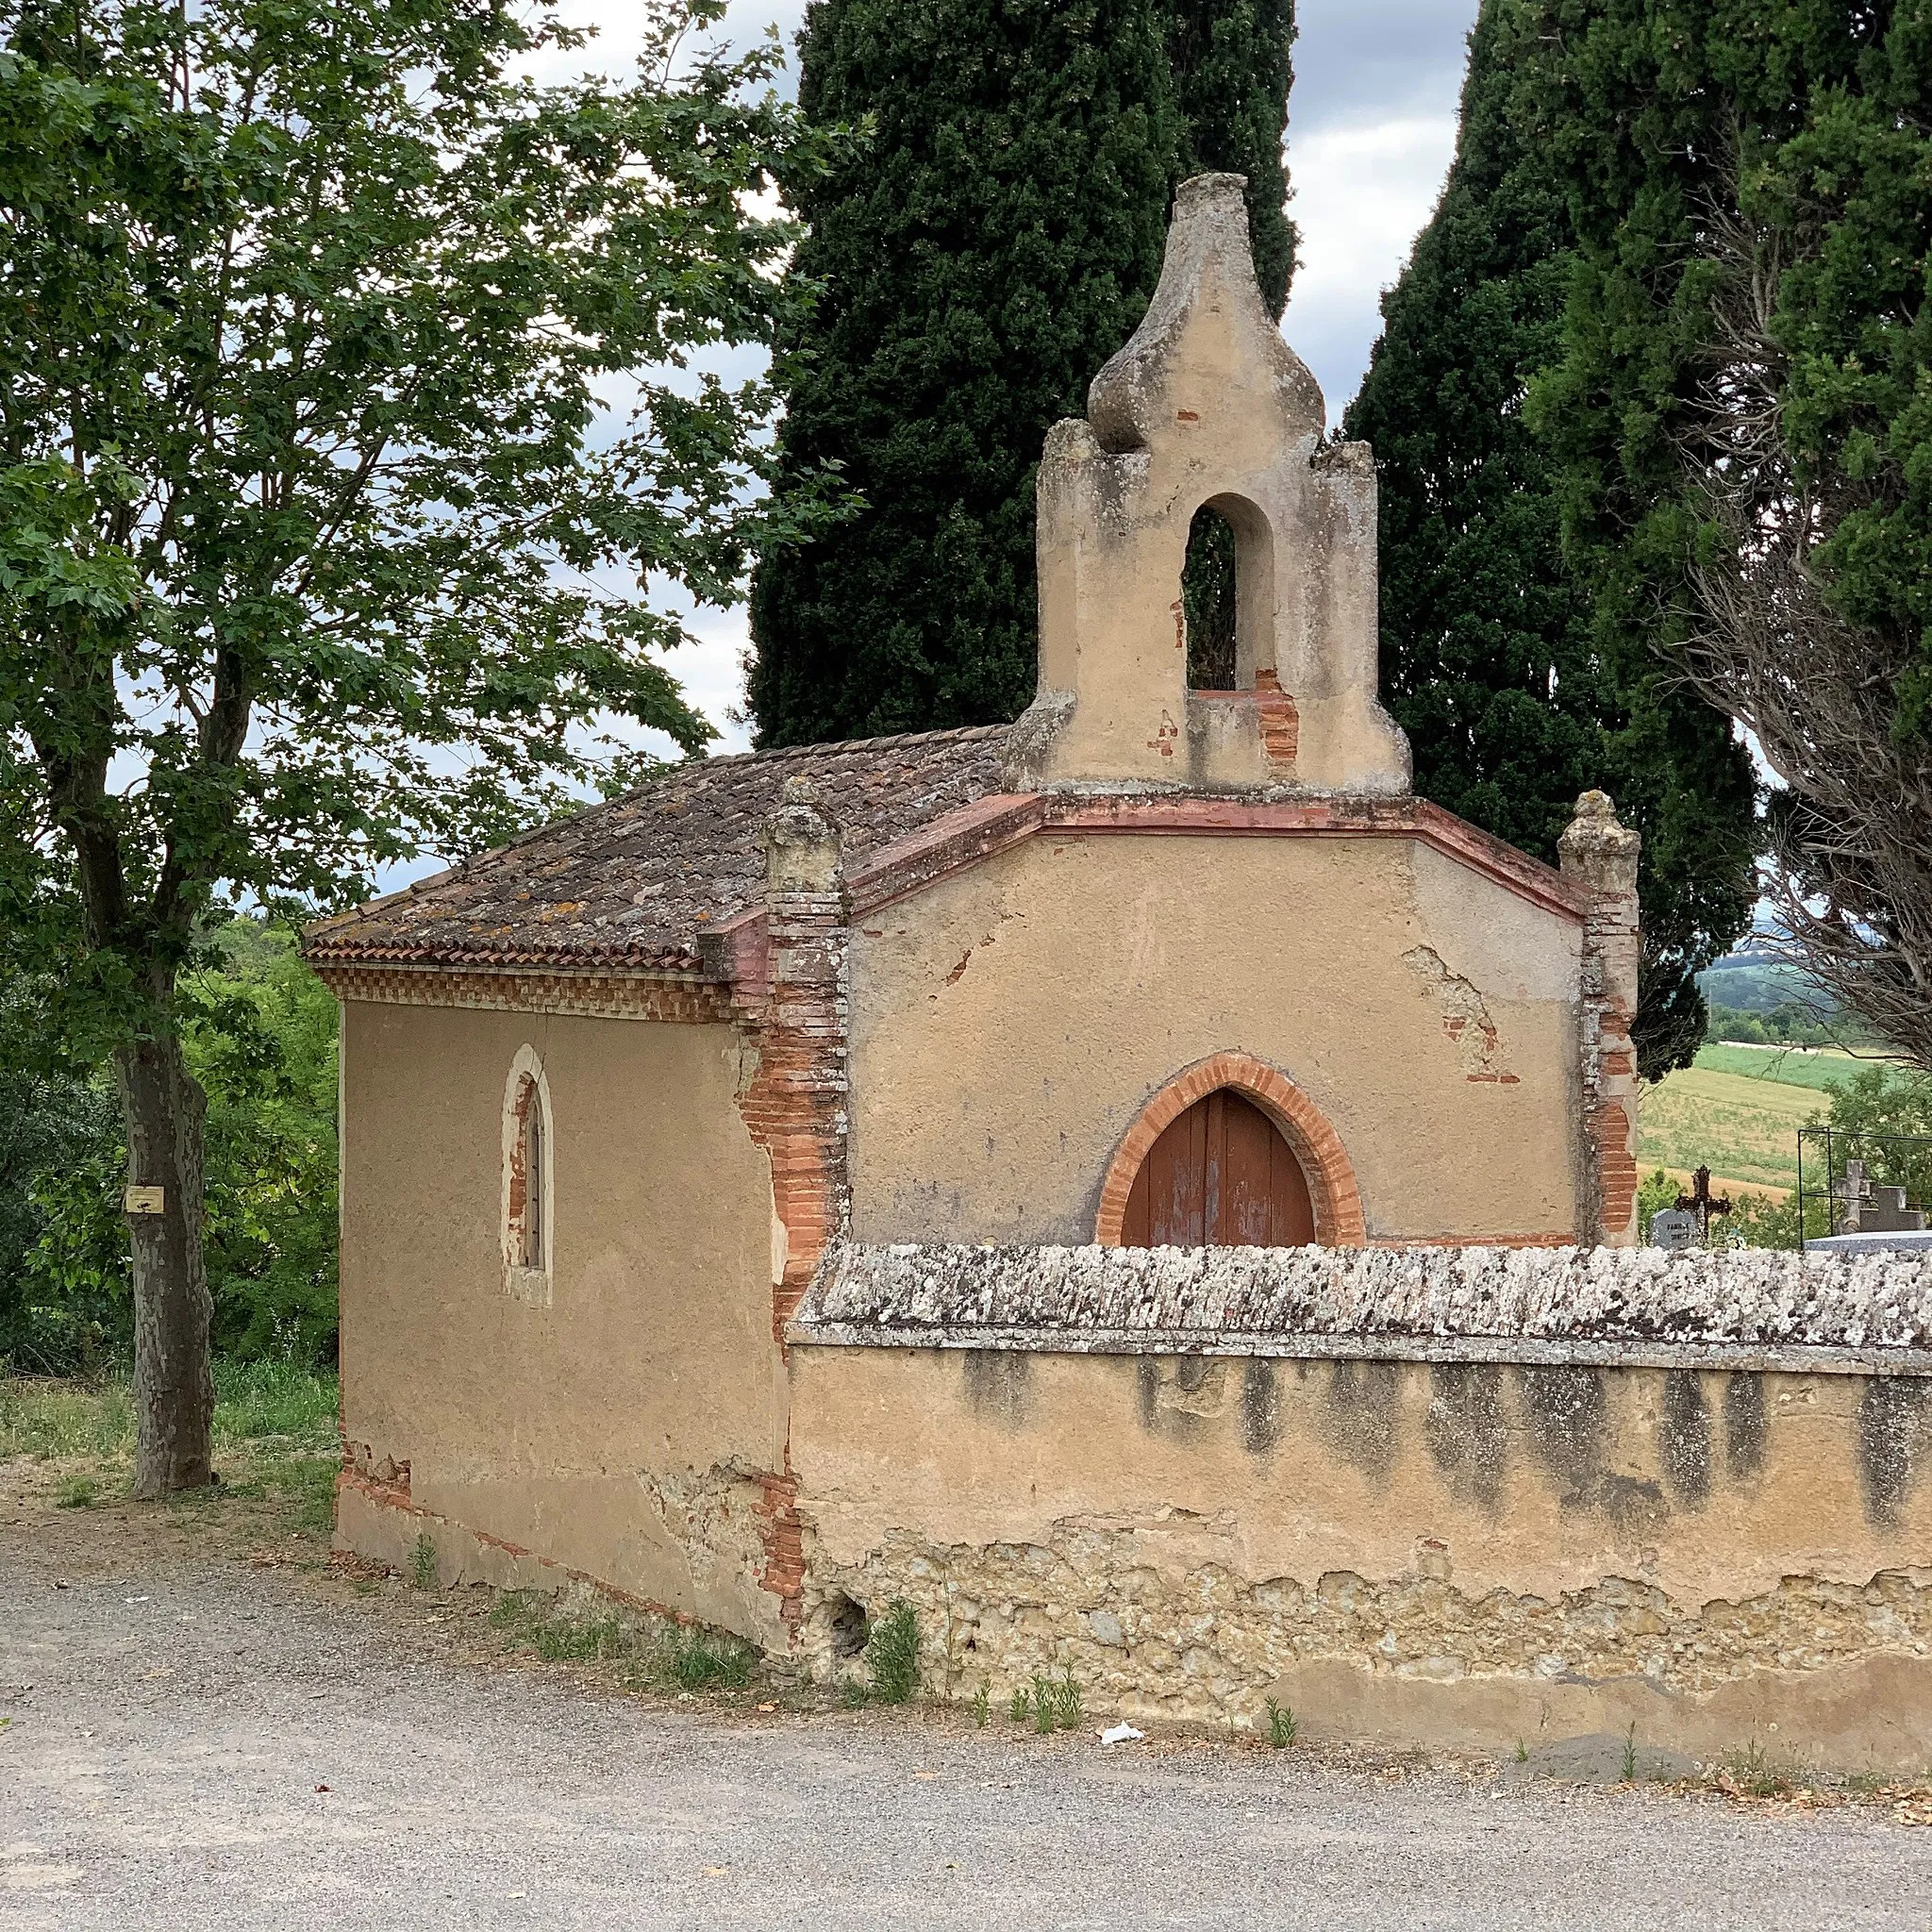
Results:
<point x="1601" y="855"/>
<point x="1206" y="1644"/>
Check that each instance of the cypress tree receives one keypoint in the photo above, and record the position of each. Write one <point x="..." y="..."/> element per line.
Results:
<point x="1744" y="414"/>
<point x="1490" y="658"/>
<point x="995" y="241"/>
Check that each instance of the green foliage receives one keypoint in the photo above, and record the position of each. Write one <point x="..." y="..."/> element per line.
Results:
<point x="1743" y="416"/>
<point x="1887" y="1116"/>
<point x="318" y="546"/>
<point x="703" y="1660"/>
<point x="1046" y="1705"/>
<point x="982" y="1704"/>
<point x="892" y="1655"/>
<point x="1282" y="1725"/>
<point x="260" y="1035"/>
<point x="1655" y="1192"/>
<point x="76" y="1492"/>
<point x="1785" y="1025"/>
<point x="979" y="260"/>
<point x="258" y="1405"/>
<point x="423" y="1563"/>
<point x="657" y="1655"/>
<point x="1054" y="1703"/>
<point x="1489" y="659"/>
<point x="1807" y="120"/>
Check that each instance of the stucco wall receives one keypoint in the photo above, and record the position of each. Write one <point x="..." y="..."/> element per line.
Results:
<point x="1411" y="1552"/>
<point x="619" y="1431"/>
<point x="1009" y="1024"/>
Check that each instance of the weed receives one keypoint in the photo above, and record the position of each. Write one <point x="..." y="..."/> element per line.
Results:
<point x="512" y="1611"/>
<point x="1282" y="1724"/>
<point x="1046" y="1703"/>
<point x="76" y="1492"/>
<point x="1630" y="1755"/>
<point x="892" y="1651"/>
<point x="1021" y="1707"/>
<point x="66" y="1419"/>
<point x="579" y="1643"/>
<point x="272" y="1401"/>
<point x="853" y="1694"/>
<point x="1522" y="1752"/>
<point x="696" y="1661"/>
<point x="1072" y="1705"/>
<point x="1751" y="1772"/>
<point x="422" y="1564"/>
<point x="982" y="1703"/>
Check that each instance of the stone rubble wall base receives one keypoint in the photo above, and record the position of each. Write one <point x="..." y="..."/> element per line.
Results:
<point x="1815" y="1675"/>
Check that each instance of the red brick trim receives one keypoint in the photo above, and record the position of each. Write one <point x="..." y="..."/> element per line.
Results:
<point x="1611" y="1141"/>
<point x="782" y="1532"/>
<point x="1332" y="1187"/>
<point x="795" y="1106"/>
<point x="1325" y="818"/>
<point x="1281" y="724"/>
<point x="596" y="994"/>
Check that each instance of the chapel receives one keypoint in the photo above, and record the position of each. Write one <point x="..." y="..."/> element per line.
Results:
<point x="1152" y="966"/>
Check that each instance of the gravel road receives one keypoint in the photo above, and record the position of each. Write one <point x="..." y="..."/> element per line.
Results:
<point x="175" y="1713"/>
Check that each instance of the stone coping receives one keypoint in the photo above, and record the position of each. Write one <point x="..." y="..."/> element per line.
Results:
<point x="1733" y="1308"/>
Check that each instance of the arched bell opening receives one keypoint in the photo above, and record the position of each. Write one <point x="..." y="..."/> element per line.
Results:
<point x="1227" y="595"/>
<point x="1263" y="1183"/>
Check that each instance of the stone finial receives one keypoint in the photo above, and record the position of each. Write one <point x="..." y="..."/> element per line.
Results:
<point x="1598" y="850"/>
<point x="1206" y="407"/>
<point x="801" y="841"/>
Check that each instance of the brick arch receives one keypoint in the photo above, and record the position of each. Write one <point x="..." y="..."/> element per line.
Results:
<point x="1332" y="1188"/>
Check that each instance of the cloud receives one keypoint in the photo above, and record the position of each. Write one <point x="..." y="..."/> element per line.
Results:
<point x="1362" y="190"/>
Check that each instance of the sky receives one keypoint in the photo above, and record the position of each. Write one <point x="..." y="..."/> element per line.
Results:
<point x="1372" y="128"/>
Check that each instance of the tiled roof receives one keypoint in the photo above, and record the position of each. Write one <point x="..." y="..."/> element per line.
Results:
<point x="634" y="882"/>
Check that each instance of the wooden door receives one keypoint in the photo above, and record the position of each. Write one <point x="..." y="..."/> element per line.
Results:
<point x="1220" y="1176"/>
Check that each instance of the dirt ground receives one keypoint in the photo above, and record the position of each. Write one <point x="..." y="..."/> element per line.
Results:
<point x="205" y="1722"/>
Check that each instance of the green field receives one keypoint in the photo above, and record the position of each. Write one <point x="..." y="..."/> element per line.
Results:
<point x="1818" y="1069"/>
<point x="1738" y="1111"/>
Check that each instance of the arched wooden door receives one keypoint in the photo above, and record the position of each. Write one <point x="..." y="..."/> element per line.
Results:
<point x="1221" y="1176"/>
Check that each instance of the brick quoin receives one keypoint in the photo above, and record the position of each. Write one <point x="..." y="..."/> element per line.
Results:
<point x="1332" y="1188"/>
<point x="1281" y="724"/>
<point x="795" y="1108"/>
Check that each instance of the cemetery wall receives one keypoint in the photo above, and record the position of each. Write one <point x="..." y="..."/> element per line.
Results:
<point x="1439" y="1497"/>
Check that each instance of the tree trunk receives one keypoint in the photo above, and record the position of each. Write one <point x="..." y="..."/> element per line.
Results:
<point x="173" y="1385"/>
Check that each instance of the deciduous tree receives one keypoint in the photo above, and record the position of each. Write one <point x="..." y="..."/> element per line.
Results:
<point x="312" y="551"/>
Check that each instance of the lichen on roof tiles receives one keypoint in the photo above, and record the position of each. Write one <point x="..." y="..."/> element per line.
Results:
<point x="632" y="882"/>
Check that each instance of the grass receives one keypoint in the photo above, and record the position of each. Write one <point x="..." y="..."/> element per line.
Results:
<point x="1282" y="1724"/>
<point x="1819" y="1069"/>
<point x="256" y="1404"/>
<point x="274" y="1438"/>
<point x="1744" y="1129"/>
<point x="656" y="1653"/>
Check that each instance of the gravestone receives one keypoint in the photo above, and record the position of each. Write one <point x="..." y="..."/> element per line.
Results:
<point x="1674" y="1227"/>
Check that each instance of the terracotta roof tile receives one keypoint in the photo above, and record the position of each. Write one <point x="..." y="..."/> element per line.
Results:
<point x="633" y="882"/>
